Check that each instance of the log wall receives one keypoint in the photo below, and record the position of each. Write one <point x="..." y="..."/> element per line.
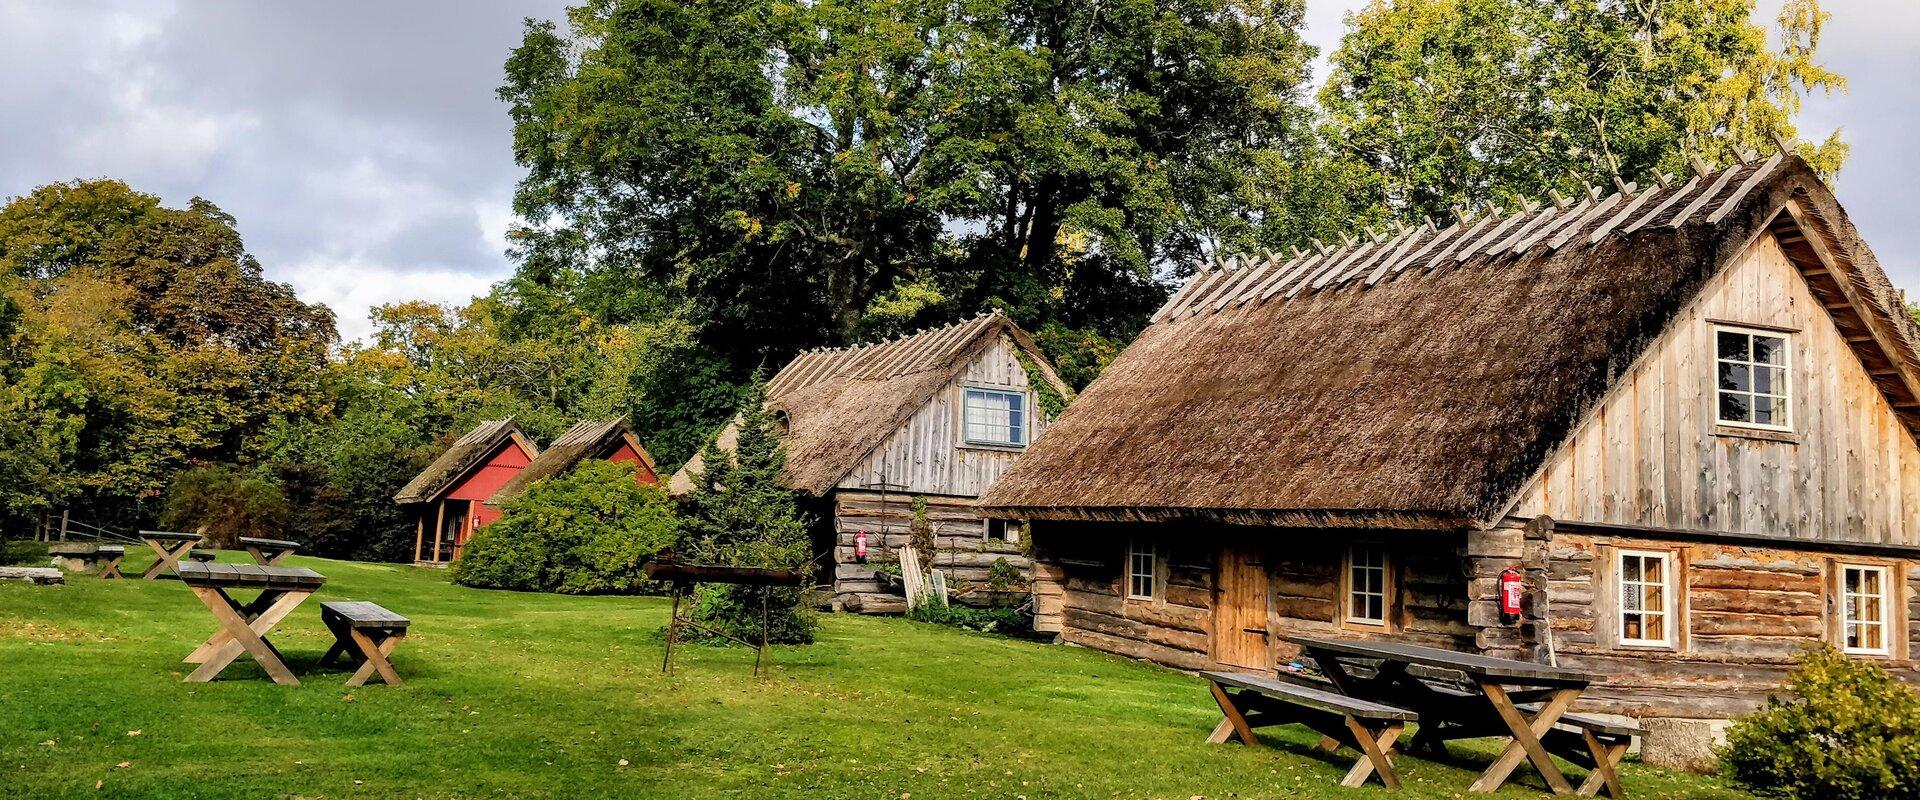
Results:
<point x="961" y="549"/>
<point x="1745" y="612"/>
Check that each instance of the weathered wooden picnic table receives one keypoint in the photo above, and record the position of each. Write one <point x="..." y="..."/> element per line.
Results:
<point x="268" y="552"/>
<point x="1517" y="700"/>
<point x="171" y="547"/>
<point x="244" y="626"/>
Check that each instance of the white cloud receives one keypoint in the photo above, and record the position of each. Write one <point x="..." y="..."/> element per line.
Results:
<point x="353" y="288"/>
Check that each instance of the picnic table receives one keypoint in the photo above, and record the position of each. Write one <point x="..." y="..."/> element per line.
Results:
<point x="268" y="552"/>
<point x="1517" y="700"/>
<point x="171" y="547"/>
<point x="244" y="626"/>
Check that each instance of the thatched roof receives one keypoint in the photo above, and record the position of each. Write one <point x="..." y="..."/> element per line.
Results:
<point x="466" y="453"/>
<point x="1420" y="379"/>
<point x="840" y="404"/>
<point x="588" y="439"/>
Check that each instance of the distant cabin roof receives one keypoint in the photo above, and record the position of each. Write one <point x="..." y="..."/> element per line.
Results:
<point x="1419" y="378"/>
<point x="461" y="457"/>
<point x="839" y="404"/>
<point x="586" y="440"/>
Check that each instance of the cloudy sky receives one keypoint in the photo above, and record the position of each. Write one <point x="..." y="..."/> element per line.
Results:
<point x="361" y="147"/>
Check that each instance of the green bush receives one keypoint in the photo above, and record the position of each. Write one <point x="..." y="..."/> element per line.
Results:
<point x="986" y="620"/>
<point x="1003" y="576"/>
<point x="224" y="504"/>
<point x="589" y="531"/>
<point x="1851" y="731"/>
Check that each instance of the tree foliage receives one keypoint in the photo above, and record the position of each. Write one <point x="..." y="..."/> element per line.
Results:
<point x="1849" y="730"/>
<point x="739" y="514"/>
<point x="224" y="504"/>
<point x="1457" y="102"/>
<point x="590" y="531"/>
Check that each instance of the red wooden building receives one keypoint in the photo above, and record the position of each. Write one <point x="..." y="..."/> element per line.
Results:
<point x="448" y="497"/>
<point x="604" y="439"/>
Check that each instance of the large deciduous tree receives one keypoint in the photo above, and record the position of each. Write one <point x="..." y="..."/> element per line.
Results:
<point x="792" y="168"/>
<point x="1457" y="102"/>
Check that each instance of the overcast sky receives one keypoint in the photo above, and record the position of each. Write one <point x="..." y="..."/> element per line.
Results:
<point x="362" y="149"/>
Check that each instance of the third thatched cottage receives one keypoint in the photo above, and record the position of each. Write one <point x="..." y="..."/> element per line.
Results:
<point x="1687" y="411"/>
<point x="931" y="418"/>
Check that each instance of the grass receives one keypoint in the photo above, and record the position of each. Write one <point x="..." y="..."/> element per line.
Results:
<point x="522" y="695"/>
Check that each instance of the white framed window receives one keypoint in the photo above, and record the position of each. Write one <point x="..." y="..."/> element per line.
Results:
<point x="995" y="417"/>
<point x="1143" y="574"/>
<point x="1645" y="584"/>
<point x="1003" y="530"/>
<point x="1367" y="585"/>
<point x="1863" y="610"/>
<point x="1751" y="378"/>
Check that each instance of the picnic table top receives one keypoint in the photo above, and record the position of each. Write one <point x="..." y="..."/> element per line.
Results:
<point x="252" y="576"/>
<point x="169" y="536"/>
<point x="258" y="542"/>
<point x="1502" y="669"/>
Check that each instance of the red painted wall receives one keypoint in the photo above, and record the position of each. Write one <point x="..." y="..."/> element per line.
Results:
<point x="481" y="483"/>
<point x="626" y="455"/>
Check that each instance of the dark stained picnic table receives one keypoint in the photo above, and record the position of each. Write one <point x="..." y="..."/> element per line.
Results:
<point x="1518" y="700"/>
<point x="268" y="552"/>
<point x="243" y="627"/>
<point x="171" y="547"/>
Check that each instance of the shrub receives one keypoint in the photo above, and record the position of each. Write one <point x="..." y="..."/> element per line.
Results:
<point x="1003" y="576"/>
<point x="589" y="531"/>
<point x="920" y="532"/>
<point x="1851" y="732"/>
<point x="986" y="620"/>
<point x="739" y="514"/>
<point x="223" y="504"/>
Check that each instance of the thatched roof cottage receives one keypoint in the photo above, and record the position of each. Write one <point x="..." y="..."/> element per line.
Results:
<point x="448" y="497"/>
<point x="1687" y="409"/>
<point x="939" y="415"/>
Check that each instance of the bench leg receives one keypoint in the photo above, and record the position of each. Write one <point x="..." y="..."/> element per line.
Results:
<point x="169" y="559"/>
<point x="110" y="569"/>
<point x="376" y="657"/>
<point x="1373" y="754"/>
<point x="246" y="636"/>
<point x="1526" y="734"/>
<point x="1606" y="763"/>
<point x="1234" y="721"/>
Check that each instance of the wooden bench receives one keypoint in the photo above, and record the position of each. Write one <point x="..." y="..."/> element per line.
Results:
<point x="367" y="633"/>
<point x="109" y="556"/>
<point x="1251" y="701"/>
<point x="268" y="552"/>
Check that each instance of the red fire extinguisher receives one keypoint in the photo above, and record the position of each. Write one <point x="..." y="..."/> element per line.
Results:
<point x="860" y="547"/>
<point x="1512" y="588"/>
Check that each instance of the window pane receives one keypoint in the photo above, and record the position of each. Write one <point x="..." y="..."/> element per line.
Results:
<point x="1655" y="568"/>
<point x="1656" y="627"/>
<point x="1736" y="377"/>
<point x="1763" y="410"/>
<point x="1733" y="408"/>
<point x="1733" y="345"/>
<point x="1763" y="379"/>
<point x="1769" y="350"/>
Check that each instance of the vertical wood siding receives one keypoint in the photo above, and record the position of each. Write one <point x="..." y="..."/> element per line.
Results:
<point x="927" y="455"/>
<point x="1650" y="454"/>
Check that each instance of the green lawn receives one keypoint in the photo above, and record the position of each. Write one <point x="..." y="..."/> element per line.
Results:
<point x="519" y="695"/>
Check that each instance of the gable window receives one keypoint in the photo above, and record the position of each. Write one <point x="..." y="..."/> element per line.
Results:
<point x="1143" y="577"/>
<point x="1003" y="530"/>
<point x="1367" y="585"/>
<point x="1646" y="597"/>
<point x="1751" y="379"/>
<point x="996" y="417"/>
<point x="1863" y="609"/>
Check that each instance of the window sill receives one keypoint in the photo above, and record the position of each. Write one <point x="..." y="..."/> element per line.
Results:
<point x="1761" y="434"/>
<point x="1001" y="546"/>
<point x="994" y="448"/>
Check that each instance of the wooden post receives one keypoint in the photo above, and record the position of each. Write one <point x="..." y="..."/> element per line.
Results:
<point x="419" y="533"/>
<point x="673" y="631"/>
<point x="63" y="524"/>
<point x="760" y="656"/>
<point x="439" y="519"/>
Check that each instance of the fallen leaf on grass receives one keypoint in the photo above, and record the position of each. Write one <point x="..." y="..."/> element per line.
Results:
<point x="123" y="765"/>
<point x="623" y="762"/>
<point x="49" y="743"/>
<point x="134" y="732"/>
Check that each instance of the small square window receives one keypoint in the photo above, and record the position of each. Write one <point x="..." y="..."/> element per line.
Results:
<point x="1644" y="580"/>
<point x="1751" y="379"/>
<point x="1143" y="577"/>
<point x="1003" y="530"/>
<point x="1863" y="610"/>
<point x="995" y="417"/>
<point x="1367" y="585"/>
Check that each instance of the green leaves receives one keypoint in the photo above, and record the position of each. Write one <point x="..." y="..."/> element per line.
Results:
<point x="590" y="531"/>
<point x="1848" y="730"/>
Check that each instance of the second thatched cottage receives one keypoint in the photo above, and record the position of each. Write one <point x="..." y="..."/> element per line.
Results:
<point x="936" y="416"/>
<point x="1687" y="412"/>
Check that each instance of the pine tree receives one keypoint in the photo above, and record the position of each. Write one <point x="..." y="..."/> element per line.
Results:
<point x="740" y="514"/>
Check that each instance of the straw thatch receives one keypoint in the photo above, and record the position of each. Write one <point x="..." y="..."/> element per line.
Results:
<point x="588" y="439"/>
<point x="461" y="457"/>
<point x="1419" y="380"/>
<point x="840" y="404"/>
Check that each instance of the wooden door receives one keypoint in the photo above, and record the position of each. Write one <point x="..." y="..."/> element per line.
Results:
<point x="1240" y="610"/>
